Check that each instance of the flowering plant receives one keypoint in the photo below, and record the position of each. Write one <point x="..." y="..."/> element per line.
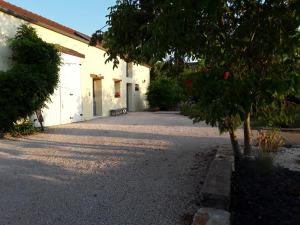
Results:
<point x="226" y="75"/>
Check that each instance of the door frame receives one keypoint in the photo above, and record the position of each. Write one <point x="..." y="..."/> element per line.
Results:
<point x="129" y="97"/>
<point x="94" y="100"/>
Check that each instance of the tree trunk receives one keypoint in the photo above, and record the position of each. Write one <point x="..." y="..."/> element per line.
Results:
<point x="42" y="126"/>
<point x="40" y="118"/>
<point x="234" y="144"/>
<point x="247" y="135"/>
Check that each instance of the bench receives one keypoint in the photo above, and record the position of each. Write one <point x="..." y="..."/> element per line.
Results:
<point x="117" y="112"/>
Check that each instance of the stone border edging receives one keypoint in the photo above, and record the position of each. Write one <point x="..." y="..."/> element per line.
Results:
<point x="294" y="130"/>
<point x="216" y="190"/>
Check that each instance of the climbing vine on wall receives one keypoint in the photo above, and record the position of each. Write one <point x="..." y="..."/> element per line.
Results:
<point x="32" y="78"/>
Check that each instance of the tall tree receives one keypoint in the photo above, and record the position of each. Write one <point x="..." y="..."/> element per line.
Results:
<point x="254" y="42"/>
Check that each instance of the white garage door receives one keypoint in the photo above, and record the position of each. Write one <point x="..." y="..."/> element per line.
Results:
<point x="66" y="103"/>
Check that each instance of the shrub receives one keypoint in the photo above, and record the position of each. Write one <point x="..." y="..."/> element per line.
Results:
<point x="269" y="141"/>
<point x="285" y="114"/>
<point x="25" y="128"/>
<point x="32" y="78"/>
<point x="164" y="93"/>
<point x="186" y="109"/>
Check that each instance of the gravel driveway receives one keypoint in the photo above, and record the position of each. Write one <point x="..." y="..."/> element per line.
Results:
<point x="138" y="169"/>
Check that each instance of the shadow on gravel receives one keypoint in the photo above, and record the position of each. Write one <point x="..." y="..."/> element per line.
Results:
<point x="127" y="134"/>
<point x="37" y="192"/>
<point x="265" y="195"/>
<point x="107" y="175"/>
<point x="75" y="150"/>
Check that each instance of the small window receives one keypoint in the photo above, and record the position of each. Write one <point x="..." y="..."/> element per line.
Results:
<point x="136" y="87"/>
<point x="117" y="88"/>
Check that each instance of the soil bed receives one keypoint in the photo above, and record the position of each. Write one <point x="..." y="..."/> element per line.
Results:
<point x="265" y="195"/>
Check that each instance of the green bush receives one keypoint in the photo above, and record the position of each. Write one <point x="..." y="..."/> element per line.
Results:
<point x="286" y="116"/>
<point x="185" y="109"/>
<point x="164" y="93"/>
<point x="31" y="80"/>
<point x="25" y="128"/>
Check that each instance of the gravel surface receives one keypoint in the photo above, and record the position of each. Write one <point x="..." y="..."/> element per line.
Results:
<point x="138" y="169"/>
<point x="288" y="158"/>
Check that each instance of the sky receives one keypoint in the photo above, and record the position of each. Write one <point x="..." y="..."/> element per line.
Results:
<point x="85" y="16"/>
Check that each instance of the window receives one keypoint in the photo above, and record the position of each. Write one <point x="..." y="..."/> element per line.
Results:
<point x="136" y="87"/>
<point x="117" y="88"/>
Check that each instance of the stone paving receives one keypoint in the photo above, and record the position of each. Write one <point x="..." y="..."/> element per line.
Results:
<point x="138" y="169"/>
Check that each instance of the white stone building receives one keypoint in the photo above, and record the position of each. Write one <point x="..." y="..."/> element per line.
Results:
<point x="88" y="87"/>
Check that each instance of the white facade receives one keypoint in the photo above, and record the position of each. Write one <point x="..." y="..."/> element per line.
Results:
<point x="66" y="102"/>
<point x="88" y="87"/>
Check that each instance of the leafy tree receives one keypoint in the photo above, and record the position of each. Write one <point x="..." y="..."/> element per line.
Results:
<point x="150" y="31"/>
<point x="32" y="78"/>
<point x="167" y="69"/>
<point x="257" y="42"/>
<point x="253" y="45"/>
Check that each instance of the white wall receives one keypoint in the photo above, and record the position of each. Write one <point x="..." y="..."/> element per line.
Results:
<point x="140" y="98"/>
<point x="8" y="27"/>
<point x="93" y="63"/>
<point x="65" y="105"/>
